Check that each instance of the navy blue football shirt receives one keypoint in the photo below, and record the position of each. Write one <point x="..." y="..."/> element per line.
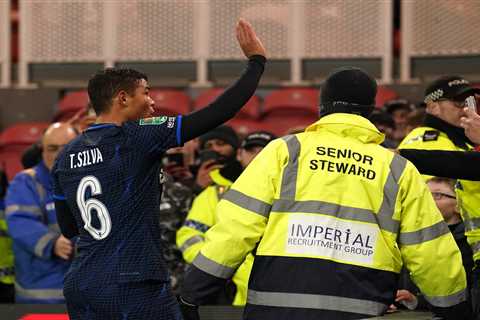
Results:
<point x="109" y="177"/>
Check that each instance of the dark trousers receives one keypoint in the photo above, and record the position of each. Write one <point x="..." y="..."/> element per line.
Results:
<point x="143" y="300"/>
<point x="7" y="293"/>
<point x="475" y="291"/>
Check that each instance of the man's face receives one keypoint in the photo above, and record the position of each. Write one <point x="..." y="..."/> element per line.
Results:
<point x="445" y="199"/>
<point x="53" y="142"/>
<point x="245" y="156"/>
<point x="219" y="146"/>
<point x="140" y="104"/>
<point x="449" y="111"/>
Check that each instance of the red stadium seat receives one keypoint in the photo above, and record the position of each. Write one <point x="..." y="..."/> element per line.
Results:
<point x="290" y="108"/>
<point x="170" y="102"/>
<point x="250" y="111"/>
<point x="384" y="94"/>
<point x="245" y="126"/>
<point x="292" y="100"/>
<point x="13" y="142"/>
<point x="70" y="104"/>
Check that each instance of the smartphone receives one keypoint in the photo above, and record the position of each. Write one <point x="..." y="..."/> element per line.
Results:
<point x="173" y="158"/>
<point x="206" y="155"/>
<point x="471" y="103"/>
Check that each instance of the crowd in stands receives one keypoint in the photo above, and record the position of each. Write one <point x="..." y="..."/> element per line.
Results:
<point x="194" y="177"/>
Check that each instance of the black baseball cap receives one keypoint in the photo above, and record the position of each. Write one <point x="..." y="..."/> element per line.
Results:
<point x="257" y="139"/>
<point x="224" y="133"/>
<point x="449" y="87"/>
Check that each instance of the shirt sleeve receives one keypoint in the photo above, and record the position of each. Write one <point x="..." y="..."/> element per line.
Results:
<point x="154" y="135"/>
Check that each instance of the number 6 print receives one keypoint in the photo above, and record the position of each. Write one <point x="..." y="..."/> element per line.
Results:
<point x="86" y="207"/>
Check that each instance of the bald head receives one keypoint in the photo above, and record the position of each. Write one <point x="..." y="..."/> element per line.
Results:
<point x="55" y="138"/>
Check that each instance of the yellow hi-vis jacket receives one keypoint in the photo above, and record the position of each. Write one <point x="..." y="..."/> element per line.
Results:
<point x="333" y="217"/>
<point x="6" y="256"/>
<point x="202" y="215"/>
<point x="468" y="192"/>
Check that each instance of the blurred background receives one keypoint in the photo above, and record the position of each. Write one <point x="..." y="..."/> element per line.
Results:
<point x="50" y="48"/>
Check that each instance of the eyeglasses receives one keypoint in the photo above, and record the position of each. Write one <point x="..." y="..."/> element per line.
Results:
<point x="440" y="195"/>
<point x="458" y="104"/>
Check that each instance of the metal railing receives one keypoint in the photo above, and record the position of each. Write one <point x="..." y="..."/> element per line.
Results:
<point x="109" y="32"/>
<point x="438" y="28"/>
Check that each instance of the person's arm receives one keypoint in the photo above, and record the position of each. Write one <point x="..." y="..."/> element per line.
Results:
<point x="236" y="96"/>
<point x="448" y="164"/>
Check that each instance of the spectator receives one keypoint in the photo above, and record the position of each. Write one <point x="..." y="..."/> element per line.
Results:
<point x="42" y="254"/>
<point x="415" y="119"/>
<point x="7" y="294"/>
<point x="399" y="109"/>
<point x="223" y="141"/>
<point x="385" y="124"/>
<point x="202" y="216"/>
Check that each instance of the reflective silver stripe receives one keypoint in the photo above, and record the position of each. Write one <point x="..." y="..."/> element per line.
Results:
<point x="448" y="301"/>
<point x="475" y="247"/>
<point x="247" y="202"/>
<point x="289" y="178"/>
<point x="331" y="209"/>
<point x="30" y="209"/>
<point x="211" y="267"/>
<point x="190" y="242"/>
<point x="471" y="224"/>
<point x="390" y="193"/>
<point x="423" y="235"/>
<point x="314" y="301"/>
<point x="40" y="190"/>
<point x="43" y="242"/>
<point x="54" y="227"/>
<point x="38" y="293"/>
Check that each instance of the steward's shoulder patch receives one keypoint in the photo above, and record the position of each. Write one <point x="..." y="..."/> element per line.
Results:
<point x="152" y="121"/>
<point x="431" y="135"/>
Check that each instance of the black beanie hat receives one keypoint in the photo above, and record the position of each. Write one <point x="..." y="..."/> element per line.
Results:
<point x="348" y="90"/>
<point x="224" y="133"/>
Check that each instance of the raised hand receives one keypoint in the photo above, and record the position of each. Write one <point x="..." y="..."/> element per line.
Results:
<point x="471" y="123"/>
<point x="248" y="40"/>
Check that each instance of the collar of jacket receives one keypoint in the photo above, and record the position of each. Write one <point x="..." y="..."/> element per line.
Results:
<point x="457" y="230"/>
<point x="456" y="134"/>
<point x="218" y="179"/>
<point x="349" y="125"/>
<point x="43" y="176"/>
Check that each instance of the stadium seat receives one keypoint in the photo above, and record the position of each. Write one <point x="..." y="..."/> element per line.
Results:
<point x="245" y="126"/>
<point x="250" y="111"/>
<point x="170" y="102"/>
<point x="384" y="94"/>
<point x="288" y="109"/>
<point x="70" y="104"/>
<point x="294" y="100"/>
<point x="13" y="142"/>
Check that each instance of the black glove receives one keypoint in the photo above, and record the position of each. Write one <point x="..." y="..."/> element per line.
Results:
<point x="189" y="311"/>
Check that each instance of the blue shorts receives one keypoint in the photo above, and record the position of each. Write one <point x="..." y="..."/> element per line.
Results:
<point x="142" y="300"/>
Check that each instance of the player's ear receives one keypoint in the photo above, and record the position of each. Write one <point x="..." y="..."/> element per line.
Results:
<point x="122" y="97"/>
